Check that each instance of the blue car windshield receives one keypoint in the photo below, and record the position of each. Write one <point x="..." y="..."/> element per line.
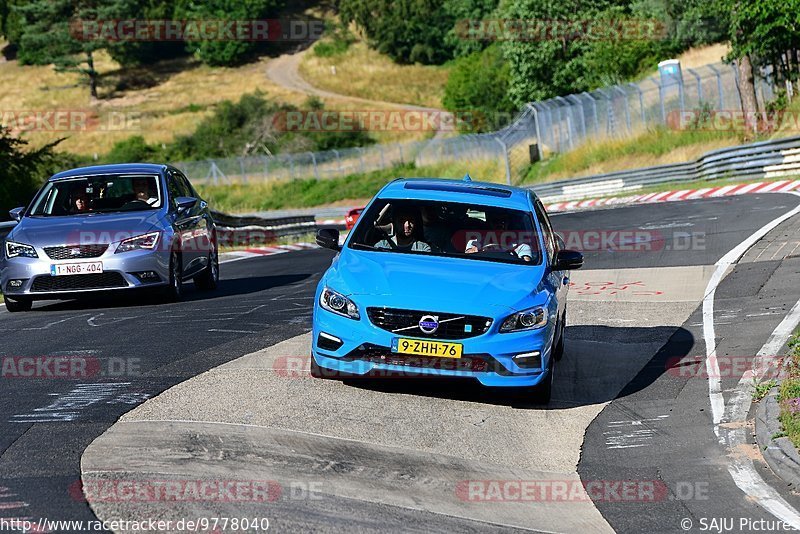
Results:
<point x="98" y="194"/>
<point x="448" y="229"/>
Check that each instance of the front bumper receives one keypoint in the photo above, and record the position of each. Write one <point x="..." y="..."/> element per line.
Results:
<point x="364" y="344"/>
<point x="118" y="274"/>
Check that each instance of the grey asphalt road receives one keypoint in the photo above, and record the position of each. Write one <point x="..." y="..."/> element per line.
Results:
<point x="47" y="423"/>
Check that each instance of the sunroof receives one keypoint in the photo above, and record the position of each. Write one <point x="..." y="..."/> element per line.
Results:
<point x="457" y="188"/>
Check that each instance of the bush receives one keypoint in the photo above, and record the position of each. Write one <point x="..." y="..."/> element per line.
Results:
<point x="478" y="85"/>
<point x="228" y="52"/>
<point x="23" y="172"/>
<point x="339" y="41"/>
<point x="131" y="150"/>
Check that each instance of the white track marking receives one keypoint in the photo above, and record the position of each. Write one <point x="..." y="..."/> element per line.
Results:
<point x="709" y="333"/>
<point x="742" y="470"/>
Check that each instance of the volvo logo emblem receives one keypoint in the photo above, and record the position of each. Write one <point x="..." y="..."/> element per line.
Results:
<point x="429" y="324"/>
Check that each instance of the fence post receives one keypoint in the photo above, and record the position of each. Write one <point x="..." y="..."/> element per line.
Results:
<point x="291" y="166"/>
<point x="661" y="98"/>
<point x="699" y="84"/>
<point x="338" y="161"/>
<point x="361" y="158"/>
<point x="539" y="141"/>
<point x="383" y="160"/>
<point x="400" y="147"/>
<point x="611" y="117"/>
<point x="579" y="109"/>
<point x="505" y="154"/>
<point x="241" y="167"/>
<point x="719" y="86"/>
<point x="641" y="101"/>
<point x="594" y="109"/>
<point x="627" y="107"/>
<point x="314" y="161"/>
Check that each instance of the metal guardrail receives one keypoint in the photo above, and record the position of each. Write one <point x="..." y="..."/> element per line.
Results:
<point x="233" y="230"/>
<point x="252" y="230"/>
<point x="765" y="159"/>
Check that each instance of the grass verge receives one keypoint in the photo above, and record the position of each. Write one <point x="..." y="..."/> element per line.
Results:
<point x="362" y="72"/>
<point x="789" y="393"/>
<point x="354" y="189"/>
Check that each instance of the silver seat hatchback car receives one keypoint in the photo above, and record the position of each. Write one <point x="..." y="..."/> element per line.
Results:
<point x="109" y="227"/>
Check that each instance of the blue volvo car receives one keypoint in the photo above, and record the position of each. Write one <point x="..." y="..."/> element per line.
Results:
<point x="447" y="278"/>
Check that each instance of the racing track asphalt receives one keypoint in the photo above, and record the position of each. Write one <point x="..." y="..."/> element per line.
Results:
<point x="263" y="301"/>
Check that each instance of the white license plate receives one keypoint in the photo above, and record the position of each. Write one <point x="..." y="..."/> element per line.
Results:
<point x="68" y="269"/>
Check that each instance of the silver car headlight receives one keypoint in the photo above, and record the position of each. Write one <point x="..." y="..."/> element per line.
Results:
<point x="339" y="304"/>
<point x="530" y="319"/>
<point x="20" y="250"/>
<point x="140" y="242"/>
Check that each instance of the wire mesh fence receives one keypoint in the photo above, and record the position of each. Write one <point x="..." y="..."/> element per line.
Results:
<point x="551" y="126"/>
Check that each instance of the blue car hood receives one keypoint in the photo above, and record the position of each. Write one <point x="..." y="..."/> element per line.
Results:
<point x="434" y="283"/>
<point x="77" y="229"/>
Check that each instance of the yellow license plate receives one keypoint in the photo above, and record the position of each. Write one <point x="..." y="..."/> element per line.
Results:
<point x="422" y="347"/>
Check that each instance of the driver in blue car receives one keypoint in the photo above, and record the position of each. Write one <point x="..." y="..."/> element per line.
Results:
<point x="499" y="238"/>
<point x="406" y="233"/>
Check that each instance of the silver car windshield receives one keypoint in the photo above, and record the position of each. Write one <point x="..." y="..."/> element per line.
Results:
<point x="98" y="194"/>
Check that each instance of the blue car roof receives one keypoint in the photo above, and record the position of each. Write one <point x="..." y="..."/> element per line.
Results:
<point x="467" y="192"/>
<point x="122" y="168"/>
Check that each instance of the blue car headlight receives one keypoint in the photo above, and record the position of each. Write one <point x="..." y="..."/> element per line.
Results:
<point x="14" y="250"/>
<point x="140" y="242"/>
<point x="339" y="304"/>
<point x="530" y="319"/>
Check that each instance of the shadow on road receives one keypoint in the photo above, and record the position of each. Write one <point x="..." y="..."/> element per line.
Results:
<point x="124" y="299"/>
<point x="600" y="363"/>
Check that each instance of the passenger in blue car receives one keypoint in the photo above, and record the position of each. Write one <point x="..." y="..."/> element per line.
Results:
<point x="406" y="232"/>
<point x="501" y="236"/>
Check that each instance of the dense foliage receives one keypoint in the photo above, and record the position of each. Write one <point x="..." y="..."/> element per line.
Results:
<point x="253" y="125"/>
<point x="23" y="171"/>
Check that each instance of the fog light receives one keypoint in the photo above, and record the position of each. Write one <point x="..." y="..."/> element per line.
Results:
<point x="528" y="360"/>
<point x="16" y="284"/>
<point x="329" y="342"/>
<point x="147" y="277"/>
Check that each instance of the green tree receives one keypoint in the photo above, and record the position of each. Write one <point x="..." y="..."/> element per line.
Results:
<point x="477" y="90"/>
<point x="54" y="33"/>
<point x="23" y="171"/>
<point x="464" y="13"/>
<point x="226" y="52"/>
<point x="408" y="31"/>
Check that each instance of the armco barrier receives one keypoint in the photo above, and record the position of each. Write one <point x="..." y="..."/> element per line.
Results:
<point x="253" y="230"/>
<point x="762" y="160"/>
<point x="232" y="230"/>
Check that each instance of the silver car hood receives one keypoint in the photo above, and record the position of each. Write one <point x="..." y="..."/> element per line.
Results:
<point x="94" y="228"/>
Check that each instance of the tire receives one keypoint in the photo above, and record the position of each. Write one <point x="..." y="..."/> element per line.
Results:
<point x="174" y="291"/>
<point x="322" y="372"/>
<point x="209" y="278"/>
<point x="20" y="305"/>
<point x="543" y="392"/>
<point x="558" y="351"/>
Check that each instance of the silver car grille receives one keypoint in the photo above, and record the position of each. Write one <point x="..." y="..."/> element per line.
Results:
<point x="75" y="252"/>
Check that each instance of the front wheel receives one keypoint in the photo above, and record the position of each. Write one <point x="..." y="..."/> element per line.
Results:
<point x="209" y="278"/>
<point x="544" y="391"/>
<point x="17" y="305"/>
<point x="174" y="291"/>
